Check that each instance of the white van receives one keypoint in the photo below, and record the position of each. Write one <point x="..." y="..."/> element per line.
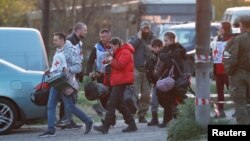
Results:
<point x="232" y="13"/>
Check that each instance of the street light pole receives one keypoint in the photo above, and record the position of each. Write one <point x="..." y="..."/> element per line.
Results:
<point x="202" y="59"/>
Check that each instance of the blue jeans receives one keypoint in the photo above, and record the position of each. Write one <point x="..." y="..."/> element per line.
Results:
<point x="69" y="105"/>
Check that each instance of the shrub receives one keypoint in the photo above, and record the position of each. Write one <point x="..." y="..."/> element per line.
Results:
<point x="185" y="126"/>
<point x="183" y="129"/>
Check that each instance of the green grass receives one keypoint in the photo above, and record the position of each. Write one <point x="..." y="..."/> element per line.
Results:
<point x="185" y="128"/>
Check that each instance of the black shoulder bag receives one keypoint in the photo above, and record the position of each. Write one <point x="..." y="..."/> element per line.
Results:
<point x="183" y="82"/>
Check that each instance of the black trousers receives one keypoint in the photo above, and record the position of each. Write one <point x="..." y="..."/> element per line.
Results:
<point x="168" y="102"/>
<point x="116" y="102"/>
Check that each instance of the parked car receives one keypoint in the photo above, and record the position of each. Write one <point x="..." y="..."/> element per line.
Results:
<point x="22" y="62"/>
<point x="186" y="36"/>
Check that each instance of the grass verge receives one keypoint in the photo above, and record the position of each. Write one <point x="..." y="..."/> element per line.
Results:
<point x="184" y="127"/>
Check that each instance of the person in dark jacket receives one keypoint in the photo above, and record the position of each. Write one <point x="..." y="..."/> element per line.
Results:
<point x="157" y="46"/>
<point x="141" y="43"/>
<point x="121" y="75"/>
<point x="172" y="51"/>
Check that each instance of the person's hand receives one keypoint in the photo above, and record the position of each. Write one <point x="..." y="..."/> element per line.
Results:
<point x="47" y="71"/>
<point x="150" y="47"/>
<point x="92" y="74"/>
<point x="139" y="34"/>
<point x="65" y="69"/>
<point x="109" y="58"/>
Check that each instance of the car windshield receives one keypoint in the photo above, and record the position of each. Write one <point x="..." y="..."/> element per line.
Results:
<point x="187" y="35"/>
<point x="184" y="35"/>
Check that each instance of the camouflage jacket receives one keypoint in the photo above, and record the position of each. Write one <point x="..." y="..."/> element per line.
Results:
<point x="72" y="58"/>
<point x="237" y="54"/>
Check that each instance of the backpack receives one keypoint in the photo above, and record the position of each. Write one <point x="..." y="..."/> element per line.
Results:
<point x="183" y="82"/>
<point x="94" y="90"/>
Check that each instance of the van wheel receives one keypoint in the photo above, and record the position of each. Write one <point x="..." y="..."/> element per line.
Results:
<point x="8" y="114"/>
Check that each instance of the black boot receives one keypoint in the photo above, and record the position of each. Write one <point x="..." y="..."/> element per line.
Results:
<point x="112" y="124"/>
<point x="154" y="121"/>
<point x="167" y="116"/>
<point x="163" y="124"/>
<point x="103" y="128"/>
<point x="142" y="119"/>
<point x="131" y="127"/>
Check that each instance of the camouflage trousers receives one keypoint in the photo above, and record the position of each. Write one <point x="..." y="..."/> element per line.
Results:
<point x="142" y="87"/>
<point x="240" y="92"/>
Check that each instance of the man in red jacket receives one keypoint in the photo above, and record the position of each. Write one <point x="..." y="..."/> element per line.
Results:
<point x="121" y="75"/>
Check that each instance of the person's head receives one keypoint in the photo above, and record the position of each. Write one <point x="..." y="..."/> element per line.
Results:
<point x="145" y="28"/>
<point x="169" y="38"/>
<point x="115" y="43"/>
<point x="225" y="28"/>
<point x="59" y="39"/>
<point x="105" y="36"/>
<point x="157" y="45"/>
<point x="80" y="30"/>
<point x="244" y="23"/>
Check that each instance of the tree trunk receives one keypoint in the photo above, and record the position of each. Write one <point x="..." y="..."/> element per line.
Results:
<point x="203" y="64"/>
<point x="45" y="23"/>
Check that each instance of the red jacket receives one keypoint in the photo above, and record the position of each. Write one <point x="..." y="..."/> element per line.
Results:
<point x="122" y="66"/>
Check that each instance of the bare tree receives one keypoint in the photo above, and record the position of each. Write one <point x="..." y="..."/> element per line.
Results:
<point x="65" y="13"/>
<point x="203" y="64"/>
<point x="45" y="23"/>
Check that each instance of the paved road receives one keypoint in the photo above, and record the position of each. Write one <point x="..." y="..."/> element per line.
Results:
<point x="144" y="133"/>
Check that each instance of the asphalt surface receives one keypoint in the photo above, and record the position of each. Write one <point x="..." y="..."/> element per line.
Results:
<point x="144" y="133"/>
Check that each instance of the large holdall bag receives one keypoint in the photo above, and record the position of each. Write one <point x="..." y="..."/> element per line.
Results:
<point x="64" y="82"/>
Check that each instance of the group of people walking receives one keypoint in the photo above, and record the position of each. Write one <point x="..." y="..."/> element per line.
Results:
<point x="142" y="61"/>
<point x="124" y="66"/>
